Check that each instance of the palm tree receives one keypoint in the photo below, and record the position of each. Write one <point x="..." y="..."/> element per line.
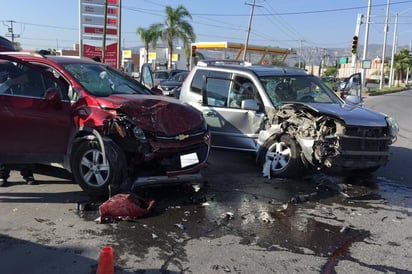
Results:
<point x="176" y="27"/>
<point x="149" y="37"/>
<point x="402" y="60"/>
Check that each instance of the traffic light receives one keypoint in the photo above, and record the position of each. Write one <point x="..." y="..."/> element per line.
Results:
<point x="193" y="51"/>
<point x="355" y="44"/>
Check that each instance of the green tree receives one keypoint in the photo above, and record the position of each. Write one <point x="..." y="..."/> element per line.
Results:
<point x="176" y="27"/>
<point x="149" y="37"/>
<point x="402" y="61"/>
<point x="330" y="71"/>
<point x="17" y="45"/>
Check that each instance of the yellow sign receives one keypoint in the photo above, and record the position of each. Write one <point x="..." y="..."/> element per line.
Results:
<point x="127" y="54"/>
<point x="175" y="57"/>
<point x="152" y="55"/>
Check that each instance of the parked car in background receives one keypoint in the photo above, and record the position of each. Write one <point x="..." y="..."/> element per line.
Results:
<point x="289" y="118"/>
<point x="98" y="123"/>
<point x="169" y="86"/>
<point x="161" y="75"/>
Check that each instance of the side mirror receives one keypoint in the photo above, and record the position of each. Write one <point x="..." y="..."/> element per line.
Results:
<point x="157" y="91"/>
<point x="53" y="97"/>
<point x="250" y="104"/>
<point x="353" y="100"/>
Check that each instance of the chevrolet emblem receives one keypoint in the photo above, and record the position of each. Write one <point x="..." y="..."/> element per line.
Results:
<point x="181" y="137"/>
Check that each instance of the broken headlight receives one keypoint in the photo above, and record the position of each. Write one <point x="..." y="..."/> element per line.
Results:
<point x="138" y="133"/>
<point x="393" y="126"/>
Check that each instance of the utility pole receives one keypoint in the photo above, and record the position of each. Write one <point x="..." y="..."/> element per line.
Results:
<point x="248" y="29"/>
<point x="394" y="45"/>
<point x="11" y="31"/>
<point x="365" y="45"/>
<point x="407" y="71"/>
<point x="300" y="53"/>
<point x="382" y="81"/>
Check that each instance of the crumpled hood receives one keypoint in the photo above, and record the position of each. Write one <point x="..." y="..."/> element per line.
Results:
<point x="155" y="113"/>
<point x="352" y="115"/>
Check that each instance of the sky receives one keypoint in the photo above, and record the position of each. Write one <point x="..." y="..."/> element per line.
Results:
<point x="54" y="24"/>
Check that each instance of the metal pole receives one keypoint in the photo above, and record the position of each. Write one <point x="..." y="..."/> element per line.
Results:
<point x="407" y="71"/>
<point x="80" y="29"/>
<point x="395" y="33"/>
<point x="382" y="81"/>
<point x="104" y="33"/>
<point x="365" y="45"/>
<point x="248" y="31"/>
<point x="119" y="36"/>
<point x="300" y="51"/>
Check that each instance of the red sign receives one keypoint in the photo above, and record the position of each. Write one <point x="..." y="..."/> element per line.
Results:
<point x="99" y="2"/>
<point x="93" y="30"/>
<point x="110" y="57"/>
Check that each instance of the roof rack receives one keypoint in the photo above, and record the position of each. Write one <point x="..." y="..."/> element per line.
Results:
<point x="205" y="63"/>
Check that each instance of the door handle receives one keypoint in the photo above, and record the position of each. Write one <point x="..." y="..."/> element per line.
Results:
<point x="210" y="113"/>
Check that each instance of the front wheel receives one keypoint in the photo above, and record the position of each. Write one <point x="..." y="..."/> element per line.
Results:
<point x="282" y="156"/>
<point x="92" y="173"/>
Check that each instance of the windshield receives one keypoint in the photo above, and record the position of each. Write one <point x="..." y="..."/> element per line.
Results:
<point x="305" y="88"/>
<point x="160" y="75"/>
<point x="102" y="81"/>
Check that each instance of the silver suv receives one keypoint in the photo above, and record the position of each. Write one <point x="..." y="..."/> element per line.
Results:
<point x="289" y="118"/>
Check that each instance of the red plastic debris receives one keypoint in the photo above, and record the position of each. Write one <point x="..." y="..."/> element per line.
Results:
<point x="105" y="264"/>
<point x="124" y="207"/>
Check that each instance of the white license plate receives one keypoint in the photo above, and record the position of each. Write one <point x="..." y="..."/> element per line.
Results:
<point x="188" y="159"/>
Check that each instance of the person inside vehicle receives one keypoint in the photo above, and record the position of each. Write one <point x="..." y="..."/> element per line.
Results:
<point x="246" y="91"/>
<point x="11" y="78"/>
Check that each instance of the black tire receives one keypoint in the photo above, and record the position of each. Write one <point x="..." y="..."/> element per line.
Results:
<point x="284" y="156"/>
<point x="90" y="173"/>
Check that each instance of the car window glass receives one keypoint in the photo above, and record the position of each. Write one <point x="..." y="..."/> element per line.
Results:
<point x="217" y="91"/>
<point x="102" y="81"/>
<point x="242" y="89"/>
<point x="160" y="74"/>
<point x="197" y="82"/>
<point x="282" y="89"/>
<point x="22" y="80"/>
<point x="53" y="79"/>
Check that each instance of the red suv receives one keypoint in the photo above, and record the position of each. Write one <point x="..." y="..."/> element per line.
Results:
<point x="105" y="128"/>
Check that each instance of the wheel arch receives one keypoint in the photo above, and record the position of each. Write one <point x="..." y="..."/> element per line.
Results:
<point x="82" y="134"/>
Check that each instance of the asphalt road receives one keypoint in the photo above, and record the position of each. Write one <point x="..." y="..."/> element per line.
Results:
<point x="238" y="222"/>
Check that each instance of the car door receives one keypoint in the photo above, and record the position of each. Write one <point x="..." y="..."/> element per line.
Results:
<point x="352" y="85"/>
<point x="35" y="121"/>
<point x="233" y="127"/>
<point x="146" y="76"/>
